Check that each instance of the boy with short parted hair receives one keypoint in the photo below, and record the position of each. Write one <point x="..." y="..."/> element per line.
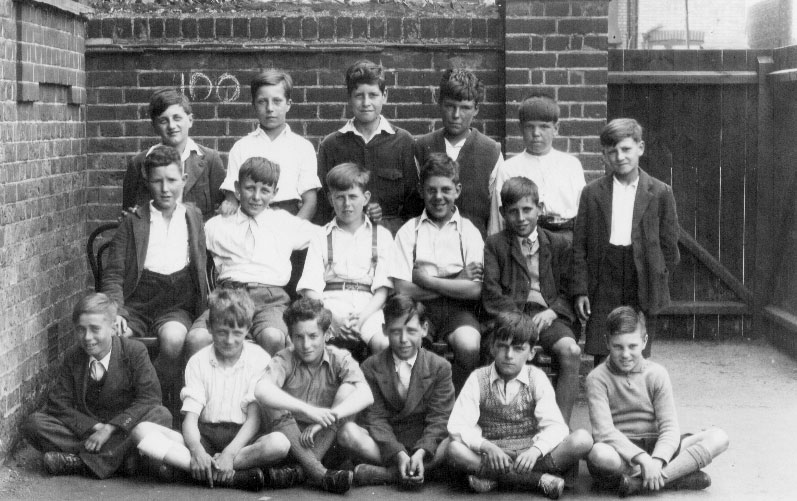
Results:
<point x="405" y="429"/>
<point x="526" y="270"/>
<point x="637" y="439"/>
<point x="347" y="261"/>
<point x="221" y="443"/>
<point x="477" y="155"/>
<point x="439" y="257"/>
<point x="105" y="387"/>
<point x="559" y="176"/>
<point x="308" y="390"/>
<point x="251" y="249"/>
<point x="625" y="244"/>
<point x="369" y="140"/>
<point x="170" y="112"/>
<point x="505" y="427"/>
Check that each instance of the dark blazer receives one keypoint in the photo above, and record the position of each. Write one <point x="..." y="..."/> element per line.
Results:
<point x="131" y="389"/>
<point x="506" y="277"/>
<point x="202" y="187"/>
<point x="128" y="252"/>
<point x="654" y="237"/>
<point x="419" y="422"/>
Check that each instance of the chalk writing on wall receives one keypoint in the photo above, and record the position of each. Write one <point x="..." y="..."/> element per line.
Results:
<point x="201" y="87"/>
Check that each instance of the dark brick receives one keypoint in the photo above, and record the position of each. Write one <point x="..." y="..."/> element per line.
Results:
<point x="580" y="127"/>
<point x="575" y="77"/>
<point x="376" y="28"/>
<point x="173" y="28"/>
<point x="321" y="128"/>
<point x="393" y="28"/>
<point x="411" y="78"/>
<point x="359" y="27"/>
<point x="334" y="111"/>
<point x="582" y="60"/>
<point x="495" y="29"/>
<point x="598" y="42"/>
<point x="531" y="26"/>
<point x="582" y="26"/>
<point x="412" y="94"/>
<point x="94" y="28"/>
<point x="530" y="60"/>
<point x="106" y="96"/>
<point x="429" y="28"/>
<point x="258" y="28"/>
<point x="238" y="111"/>
<point x="326" y="27"/>
<point x="478" y="29"/>
<point x="108" y="28"/>
<point x="276" y="27"/>
<point x="520" y="93"/>
<point x="556" y="42"/>
<point x="224" y="27"/>
<point x="110" y="78"/>
<point x="593" y="145"/>
<point x="156" y="79"/>
<point x="417" y="111"/>
<point x="462" y="28"/>
<point x="411" y="28"/>
<point x="557" y="9"/>
<point x="414" y="127"/>
<point x="592" y="110"/>
<point x="555" y="77"/>
<point x="518" y="43"/>
<point x="205" y="29"/>
<point x="156" y="27"/>
<point x="309" y="29"/>
<point x="537" y="76"/>
<point x="343" y="27"/>
<point x="596" y="77"/>
<point x="190" y="29"/>
<point x="293" y="27"/>
<point x="583" y="94"/>
<point x="112" y="129"/>
<point x="516" y="8"/>
<point x="590" y="8"/>
<point x="305" y="78"/>
<point x="240" y="26"/>
<point x="325" y="95"/>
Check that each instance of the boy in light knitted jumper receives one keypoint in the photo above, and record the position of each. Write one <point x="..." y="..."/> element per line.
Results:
<point x="506" y="429"/>
<point x="638" y="445"/>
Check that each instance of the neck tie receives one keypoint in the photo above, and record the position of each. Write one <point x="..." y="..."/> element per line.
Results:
<point x="249" y="240"/>
<point x="404" y="374"/>
<point x="97" y="370"/>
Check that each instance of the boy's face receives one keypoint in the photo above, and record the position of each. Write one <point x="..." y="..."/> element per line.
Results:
<point x="228" y="342"/>
<point x="173" y="125"/>
<point x="366" y="103"/>
<point x="458" y="115"/>
<point x="94" y="332"/>
<point x="623" y="157"/>
<point x="308" y="341"/>
<point x="625" y="350"/>
<point x="538" y="136"/>
<point x="405" y="336"/>
<point x="510" y="358"/>
<point x="521" y="217"/>
<point x="349" y="204"/>
<point x="254" y="195"/>
<point x="440" y="195"/>
<point x="166" y="185"/>
<point x="271" y="106"/>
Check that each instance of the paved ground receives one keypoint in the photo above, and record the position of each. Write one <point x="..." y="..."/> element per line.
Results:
<point x="748" y="389"/>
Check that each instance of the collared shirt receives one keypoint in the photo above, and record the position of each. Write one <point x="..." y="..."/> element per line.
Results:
<point x="190" y="146"/>
<point x="351" y="257"/>
<point x="294" y="154"/>
<point x="167" y="249"/>
<point x="105" y="361"/>
<point x="221" y="394"/>
<point x="316" y="386"/>
<point x="530" y="247"/>
<point x="439" y="251"/>
<point x="623" y="197"/>
<point x="384" y="126"/>
<point x="453" y="149"/>
<point x="276" y="232"/>
<point x="403" y="370"/>
<point x="558" y="176"/>
<point x="463" y="423"/>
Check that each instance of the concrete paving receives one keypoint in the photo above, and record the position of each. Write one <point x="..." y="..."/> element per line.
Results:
<point x="749" y="389"/>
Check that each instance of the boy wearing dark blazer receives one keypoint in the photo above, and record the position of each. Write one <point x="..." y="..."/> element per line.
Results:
<point x="625" y="243"/>
<point x="105" y="387"/>
<point x="403" y="434"/>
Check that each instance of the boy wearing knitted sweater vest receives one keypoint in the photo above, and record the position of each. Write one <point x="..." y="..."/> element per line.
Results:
<point x="506" y="429"/>
<point x="638" y="445"/>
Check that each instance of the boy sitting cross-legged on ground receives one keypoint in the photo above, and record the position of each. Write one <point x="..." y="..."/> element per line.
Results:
<point x="308" y="389"/>
<point x="638" y="445"/>
<point x="405" y="429"/>
<point x="525" y="270"/>
<point x="506" y="429"/>
<point x="347" y="262"/>
<point x="221" y="443"/>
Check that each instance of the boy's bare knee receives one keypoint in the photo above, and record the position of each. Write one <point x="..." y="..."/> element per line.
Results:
<point x="271" y="339"/>
<point x="349" y="435"/>
<point x="718" y="440"/>
<point x="568" y="353"/>
<point x="457" y="454"/>
<point x="196" y="339"/>
<point x="581" y="440"/>
<point x="274" y="443"/>
<point x="603" y="457"/>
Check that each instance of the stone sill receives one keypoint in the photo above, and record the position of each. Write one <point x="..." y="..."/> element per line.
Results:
<point x="107" y="45"/>
<point x="74" y="8"/>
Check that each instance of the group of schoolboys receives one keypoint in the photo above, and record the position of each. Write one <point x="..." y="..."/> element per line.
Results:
<point x="266" y="392"/>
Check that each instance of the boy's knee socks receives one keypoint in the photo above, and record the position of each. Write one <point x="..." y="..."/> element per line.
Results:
<point x="693" y="458"/>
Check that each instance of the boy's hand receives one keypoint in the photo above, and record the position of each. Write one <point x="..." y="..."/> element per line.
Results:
<point x="415" y="470"/>
<point x="307" y="438"/>
<point x="229" y="205"/>
<point x="652" y="477"/>
<point x="543" y="319"/>
<point x="473" y="271"/>
<point x="323" y="417"/>
<point x="223" y="470"/>
<point x="374" y="212"/>
<point x="582" y="308"/>
<point x="122" y="329"/>
<point x="496" y="459"/>
<point x="350" y="329"/>
<point x="420" y="277"/>
<point x="202" y="466"/>
<point x="102" y="432"/>
<point x="527" y="459"/>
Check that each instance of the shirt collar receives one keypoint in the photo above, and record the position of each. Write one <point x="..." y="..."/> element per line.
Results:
<point x="105" y="361"/>
<point x="262" y="132"/>
<point x="456" y="218"/>
<point x="214" y="361"/>
<point x="324" y="357"/>
<point x="640" y="367"/>
<point x="241" y="217"/>
<point x="532" y="236"/>
<point x="458" y="144"/>
<point x="384" y="126"/>
<point x="397" y="361"/>
<point x="522" y="377"/>
<point x="618" y="184"/>
<point x="190" y="145"/>
<point x="334" y="225"/>
<point x="154" y="213"/>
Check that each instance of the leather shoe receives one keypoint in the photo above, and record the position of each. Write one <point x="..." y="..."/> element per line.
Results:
<point x="61" y="463"/>
<point x="337" y="481"/>
<point x="248" y="480"/>
<point x="284" y="477"/>
<point x="695" y="481"/>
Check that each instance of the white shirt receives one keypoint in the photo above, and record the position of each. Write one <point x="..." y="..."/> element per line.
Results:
<point x="403" y="369"/>
<point x="531" y="252"/>
<point x="167" y="249"/>
<point x="623" y="197"/>
<point x="105" y="361"/>
<point x="351" y="253"/>
<point x="190" y="146"/>
<point x="384" y="126"/>
<point x="439" y="251"/>
<point x="294" y="154"/>
<point x="221" y="394"/>
<point x="463" y="425"/>
<point x="277" y="233"/>
<point x="452" y="150"/>
<point x="559" y="178"/>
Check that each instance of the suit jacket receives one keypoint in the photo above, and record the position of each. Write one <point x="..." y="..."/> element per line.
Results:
<point x="507" y="280"/>
<point x="128" y="252"/>
<point x="420" y="421"/>
<point x="202" y="188"/>
<point x="654" y="237"/>
<point x="131" y="389"/>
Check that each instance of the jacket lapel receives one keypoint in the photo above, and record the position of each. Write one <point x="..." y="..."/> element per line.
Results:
<point x="419" y="382"/>
<point x="642" y="199"/>
<point x="547" y="287"/>
<point x="114" y="372"/>
<point x="194" y="167"/>
<point x="515" y="252"/>
<point x="605" y="200"/>
<point x="141" y="238"/>
<point x="386" y="378"/>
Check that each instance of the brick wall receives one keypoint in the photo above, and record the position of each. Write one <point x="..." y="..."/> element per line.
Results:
<point x="42" y="196"/>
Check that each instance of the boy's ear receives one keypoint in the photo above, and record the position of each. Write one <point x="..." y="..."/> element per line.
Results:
<point x="328" y="334"/>
<point x="425" y="329"/>
<point x="641" y="148"/>
<point x="459" y="189"/>
<point x="238" y="189"/>
<point x="367" y="196"/>
<point x="502" y="211"/>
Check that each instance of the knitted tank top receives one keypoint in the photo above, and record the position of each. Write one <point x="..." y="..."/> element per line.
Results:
<point x="510" y="426"/>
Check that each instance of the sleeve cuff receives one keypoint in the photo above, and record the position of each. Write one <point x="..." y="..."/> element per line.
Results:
<point x="191" y="405"/>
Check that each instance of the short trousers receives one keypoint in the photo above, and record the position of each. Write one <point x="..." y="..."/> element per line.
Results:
<point x="545" y="464"/>
<point x="341" y="303"/>
<point x="159" y="299"/>
<point x="214" y="437"/>
<point x="446" y="315"/>
<point x="560" y="328"/>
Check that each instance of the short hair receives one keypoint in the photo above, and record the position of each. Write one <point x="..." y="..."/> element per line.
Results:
<point x="259" y="170"/>
<point x="517" y="188"/>
<point x="460" y="84"/>
<point x="230" y="307"/>
<point x="619" y="129"/>
<point x="307" y="309"/>
<point x="439" y="165"/>
<point x="346" y="176"/>
<point x="401" y="305"/>
<point x="271" y="77"/>
<point x="538" y="108"/>
<point x="94" y="302"/>
<point x="163" y="98"/>
<point x="161" y="156"/>
<point x="364" y="72"/>
<point x="514" y="327"/>
<point x="625" y="320"/>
